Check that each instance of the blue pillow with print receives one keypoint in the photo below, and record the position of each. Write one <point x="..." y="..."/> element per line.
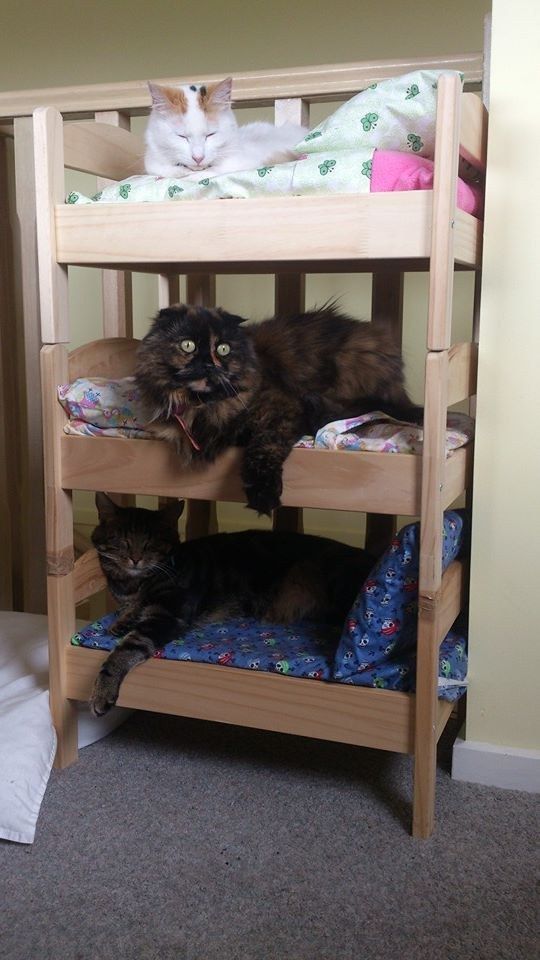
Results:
<point x="382" y="622"/>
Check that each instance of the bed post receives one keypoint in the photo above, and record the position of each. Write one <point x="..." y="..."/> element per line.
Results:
<point x="386" y="304"/>
<point x="290" y="293"/>
<point x="53" y="282"/>
<point x="201" y="517"/>
<point x="441" y="275"/>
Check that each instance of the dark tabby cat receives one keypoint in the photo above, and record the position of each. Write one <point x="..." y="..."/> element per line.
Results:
<point x="164" y="586"/>
<point x="208" y="384"/>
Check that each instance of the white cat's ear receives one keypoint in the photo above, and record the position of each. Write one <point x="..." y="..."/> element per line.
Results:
<point x="160" y="99"/>
<point x="220" y="94"/>
<point x="106" y="508"/>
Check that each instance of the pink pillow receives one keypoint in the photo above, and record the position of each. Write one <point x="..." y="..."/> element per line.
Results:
<point x="394" y="170"/>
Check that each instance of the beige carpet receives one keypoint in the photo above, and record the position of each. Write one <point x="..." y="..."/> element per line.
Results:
<point x="181" y="840"/>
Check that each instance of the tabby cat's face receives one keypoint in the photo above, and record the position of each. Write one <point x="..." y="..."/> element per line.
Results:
<point x="194" y="355"/>
<point x="132" y="542"/>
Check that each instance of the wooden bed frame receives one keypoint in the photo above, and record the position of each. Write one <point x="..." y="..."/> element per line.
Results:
<point x="385" y="234"/>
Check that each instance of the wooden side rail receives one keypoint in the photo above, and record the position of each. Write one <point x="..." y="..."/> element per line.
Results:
<point x="443" y="609"/>
<point x="113" y="357"/>
<point x="462" y="372"/>
<point x="473" y="131"/>
<point x="263" y="87"/>
<point x="102" y="149"/>
<point x="87" y="576"/>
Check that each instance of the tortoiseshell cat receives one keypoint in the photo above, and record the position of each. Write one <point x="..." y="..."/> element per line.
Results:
<point x="164" y="586"/>
<point x="209" y="383"/>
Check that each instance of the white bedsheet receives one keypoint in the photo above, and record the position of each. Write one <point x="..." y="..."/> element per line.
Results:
<point x="27" y="737"/>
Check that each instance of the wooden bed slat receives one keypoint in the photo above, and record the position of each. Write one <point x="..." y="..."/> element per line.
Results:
<point x="473" y="131"/>
<point x="462" y="372"/>
<point x="113" y="357"/>
<point x="102" y="149"/>
<point x="315" y="83"/>
<point x="87" y="576"/>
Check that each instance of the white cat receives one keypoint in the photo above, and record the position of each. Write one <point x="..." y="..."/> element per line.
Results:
<point x="192" y="130"/>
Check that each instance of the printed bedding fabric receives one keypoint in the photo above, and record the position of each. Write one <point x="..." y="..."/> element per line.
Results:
<point x="377" y="643"/>
<point x="113" y="408"/>
<point x="338" y="156"/>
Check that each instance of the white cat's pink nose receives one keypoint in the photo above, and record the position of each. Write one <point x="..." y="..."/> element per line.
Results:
<point x="198" y="157"/>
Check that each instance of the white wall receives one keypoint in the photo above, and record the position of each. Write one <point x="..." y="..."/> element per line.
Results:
<point x="505" y="627"/>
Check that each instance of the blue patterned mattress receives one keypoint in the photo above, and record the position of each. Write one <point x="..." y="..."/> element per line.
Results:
<point x="376" y="646"/>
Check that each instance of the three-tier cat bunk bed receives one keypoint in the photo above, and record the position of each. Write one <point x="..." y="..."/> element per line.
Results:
<point x="384" y="234"/>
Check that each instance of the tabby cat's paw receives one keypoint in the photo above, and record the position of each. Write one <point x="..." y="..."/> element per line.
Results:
<point x="104" y="695"/>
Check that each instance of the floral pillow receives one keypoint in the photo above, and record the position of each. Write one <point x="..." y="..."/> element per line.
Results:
<point x="104" y="403"/>
<point x="396" y="114"/>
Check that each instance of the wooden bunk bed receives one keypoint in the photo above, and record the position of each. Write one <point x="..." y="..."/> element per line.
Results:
<point x="384" y="234"/>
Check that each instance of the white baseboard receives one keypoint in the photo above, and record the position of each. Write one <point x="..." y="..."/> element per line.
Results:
<point x="496" y="766"/>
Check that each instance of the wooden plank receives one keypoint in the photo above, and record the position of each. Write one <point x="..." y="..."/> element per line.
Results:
<point x="60" y="558"/>
<point x="113" y="358"/>
<point x="11" y="438"/>
<point x="168" y="289"/>
<point x="58" y="507"/>
<point x="117" y="293"/>
<point x="339" y="480"/>
<point x="311" y="83"/>
<point x="288" y="228"/>
<point x="316" y="478"/>
<point x="49" y="179"/>
<point x="387" y="299"/>
<point x="468" y="239"/>
<point x="201" y="517"/>
<point x="104" y="149"/>
<point x="386" y="304"/>
<point x="458" y="475"/>
<point x="462" y="372"/>
<point x="426" y="708"/>
<point x="473" y="131"/>
<point x="291" y="110"/>
<point x="446" y="605"/>
<point x="435" y="617"/>
<point x="31" y="516"/>
<point x="433" y="471"/>
<point x="444" y="712"/>
<point x="308" y="708"/>
<point x="87" y="576"/>
<point x="441" y="276"/>
<point x="61" y="626"/>
<point x="289" y="297"/>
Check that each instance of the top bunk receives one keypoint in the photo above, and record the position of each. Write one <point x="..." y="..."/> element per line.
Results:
<point x="313" y="233"/>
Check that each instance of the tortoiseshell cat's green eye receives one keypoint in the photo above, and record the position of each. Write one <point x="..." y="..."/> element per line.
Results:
<point x="188" y="346"/>
<point x="223" y="349"/>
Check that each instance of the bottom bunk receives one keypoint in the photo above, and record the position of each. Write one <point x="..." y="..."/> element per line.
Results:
<point x="342" y="713"/>
<point x="354" y="685"/>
